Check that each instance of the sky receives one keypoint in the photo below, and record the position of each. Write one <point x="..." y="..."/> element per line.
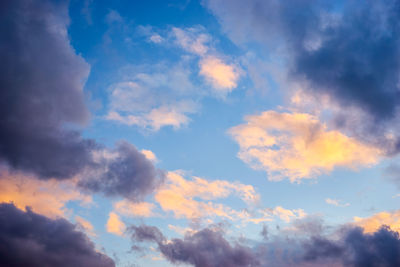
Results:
<point x="199" y="133"/>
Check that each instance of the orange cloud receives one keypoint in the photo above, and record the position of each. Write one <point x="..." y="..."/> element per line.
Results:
<point x="45" y="197"/>
<point x="373" y="223"/>
<point x="149" y="155"/>
<point x="297" y="146"/>
<point x="178" y="196"/>
<point x="115" y="225"/>
<point x="221" y="76"/>
<point x="142" y="209"/>
<point x="85" y="225"/>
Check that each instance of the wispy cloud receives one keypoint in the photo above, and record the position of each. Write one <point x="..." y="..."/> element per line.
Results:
<point x="336" y="202"/>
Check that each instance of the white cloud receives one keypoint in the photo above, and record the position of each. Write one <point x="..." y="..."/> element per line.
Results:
<point x="153" y="97"/>
<point x="223" y="77"/>
<point x="336" y="202"/>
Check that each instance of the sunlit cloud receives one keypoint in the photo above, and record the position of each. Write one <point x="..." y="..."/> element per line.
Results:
<point x="298" y="146"/>
<point x="48" y="198"/>
<point x="85" y="226"/>
<point x="193" y="198"/>
<point x="115" y="225"/>
<point x="374" y="222"/>
<point x="149" y="155"/>
<point x="141" y="209"/>
<point x="223" y="77"/>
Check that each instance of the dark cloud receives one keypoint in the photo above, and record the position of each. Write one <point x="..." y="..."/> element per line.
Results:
<point x="41" y="80"/>
<point x="29" y="239"/>
<point x="206" y="248"/>
<point x="358" y="249"/>
<point x="42" y="106"/>
<point x="349" y="50"/>
<point x="349" y="247"/>
<point x="125" y="172"/>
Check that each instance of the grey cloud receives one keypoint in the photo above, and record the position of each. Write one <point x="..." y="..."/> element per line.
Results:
<point x="206" y="248"/>
<point x="29" y="239"/>
<point x="127" y="172"/>
<point x="41" y="80"/>
<point x="42" y="106"/>
<point x="348" y="50"/>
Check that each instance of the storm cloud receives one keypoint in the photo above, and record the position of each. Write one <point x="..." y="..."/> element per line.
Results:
<point x="348" y="50"/>
<point x="29" y="239"/>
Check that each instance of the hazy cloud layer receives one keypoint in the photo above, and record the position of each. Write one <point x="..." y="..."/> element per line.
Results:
<point x="29" y="239"/>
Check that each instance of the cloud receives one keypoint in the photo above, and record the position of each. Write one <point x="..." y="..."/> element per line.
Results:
<point x="193" y="40"/>
<point x="313" y="244"/>
<point x="179" y="195"/>
<point x="221" y="76"/>
<point x="115" y="225"/>
<point x="42" y="105"/>
<point x="356" y="248"/>
<point x="203" y="248"/>
<point x="297" y="146"/>
<point x="122" y="172"/>
<point x="41" y="91"/>
<point x="336" y="202"/>
<point x="141" y="209"/>
<point x="374" y="222"/>
<point x="24" y="191"/>
<point x="153" y="97"/>
<point x="149" y="155"/>
<point x="312" y="37"/>
<point x="30" y="239"/>
<point x="85" y="226"/>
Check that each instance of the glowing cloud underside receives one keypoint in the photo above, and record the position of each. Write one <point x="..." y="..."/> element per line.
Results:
<point x="297" y="146"/>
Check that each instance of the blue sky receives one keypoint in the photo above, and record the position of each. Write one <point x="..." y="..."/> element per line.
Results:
<point x="205" y="118"/>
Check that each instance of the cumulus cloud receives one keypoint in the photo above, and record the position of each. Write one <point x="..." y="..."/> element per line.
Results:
<point x="209" y="247"/>
<point x="360" y="72"/>
<point x="121" y="172"/>
<point x="149" y="155"/>
<point x="180" y="196"/>
<point x="115" y="225"/>
<point x="297" y="146"/>
<point x="140" y="209"/>
<point x="41" y="79"/>
<point x="30" y="239"/>
<point x="24" y="191"/>
<point x="221" y="76"/>
<point x="202" y="248"/>
<point x="374" y="222"/>
<point x="42" y="104"/>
